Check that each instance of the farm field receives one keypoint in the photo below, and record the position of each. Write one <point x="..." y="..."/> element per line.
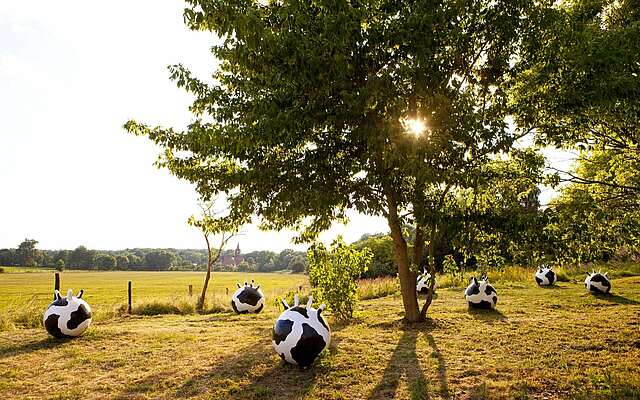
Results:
<point x="108" y="290"/>
<point x="539" y="344"/>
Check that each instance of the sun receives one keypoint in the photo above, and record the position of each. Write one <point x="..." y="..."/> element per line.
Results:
<point x="415" y="126"/>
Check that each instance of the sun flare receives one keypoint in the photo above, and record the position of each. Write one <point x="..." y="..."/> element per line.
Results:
<point x="414" y="126"/>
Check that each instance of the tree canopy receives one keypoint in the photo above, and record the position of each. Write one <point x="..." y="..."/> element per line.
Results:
<point x="308" y="114"/>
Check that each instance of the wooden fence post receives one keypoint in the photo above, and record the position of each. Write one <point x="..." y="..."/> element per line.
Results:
<point x="190" y="290"/>
<point x="129" y="298"/>
<point x="56" y="285"/>
<point x="227" y="290"/>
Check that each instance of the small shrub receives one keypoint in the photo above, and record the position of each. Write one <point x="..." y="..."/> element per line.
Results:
<point x="377" y="287"/>
<point x="333" y="273"/>
<point x="562" y="275"/>
<point x="23" y="315"/>
<point x="454" y="270"/>
<point x="180" y="306"/>
<point x="177" y="305"/>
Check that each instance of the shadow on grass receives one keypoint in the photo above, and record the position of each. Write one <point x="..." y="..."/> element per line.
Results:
<point x="405" y="362"/>
<point x="48" y="343"/>
<point x="442" y="367"/>
<point x="488" y="316"/>
<point x="254" y="372"/>
<point x="553" y="287"/>
<point x="614" y="298"/>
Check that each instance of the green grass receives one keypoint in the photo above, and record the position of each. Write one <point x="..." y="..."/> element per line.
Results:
<point x="515" y="275"/>
<point x="26" y="295"/>
<point x="540" y="343"/>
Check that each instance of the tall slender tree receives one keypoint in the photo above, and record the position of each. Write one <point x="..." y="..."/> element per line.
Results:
<point x="211" y="223"/>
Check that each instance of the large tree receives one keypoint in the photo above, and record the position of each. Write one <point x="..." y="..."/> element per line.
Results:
<point x="27" y="255"/>
<point x="319" y="107"/>
<point x="579" y="85"/>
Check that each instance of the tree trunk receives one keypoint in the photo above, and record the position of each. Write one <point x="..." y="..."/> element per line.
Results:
<point x="432" y="261"/>
<point x="432" y="271"/>
<point x="203" y="296"/>
<point x="407" y="278"/>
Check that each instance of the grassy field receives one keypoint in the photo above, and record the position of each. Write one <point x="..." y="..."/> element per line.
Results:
<point x="26" y="294"/>
<point x="539" y="344"/>
<point x="108" y="288"/>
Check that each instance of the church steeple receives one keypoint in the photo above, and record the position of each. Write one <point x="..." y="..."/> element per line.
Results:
<point x="236" y="255"/>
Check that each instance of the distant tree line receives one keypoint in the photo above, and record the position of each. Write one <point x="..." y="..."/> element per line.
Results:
<point x="28" y="255"/>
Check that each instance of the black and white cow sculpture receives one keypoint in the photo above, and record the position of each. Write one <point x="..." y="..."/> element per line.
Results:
<point x="545" y="276"/>
<point x="300" y="333"/>
<point x="67" y="317"/>
<point x="247" y="299"/>
<point x="597" y="283"/>
<point x="422" y="283"/>
<point x="480" y="294"/>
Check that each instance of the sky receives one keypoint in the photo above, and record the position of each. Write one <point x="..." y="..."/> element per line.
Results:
<point x="71" y="74"/>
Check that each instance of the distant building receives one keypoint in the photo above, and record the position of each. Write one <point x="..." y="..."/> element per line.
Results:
<point x="233" y="260"/>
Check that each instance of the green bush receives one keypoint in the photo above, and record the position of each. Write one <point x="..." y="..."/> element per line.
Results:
<point x="377" y="287"/>
<point x="334" y="272"/>
<point x="562" y="275"/>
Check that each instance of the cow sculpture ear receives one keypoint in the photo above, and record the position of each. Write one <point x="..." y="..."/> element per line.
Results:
<point x="321" y="308"/>
<point x="252" y="283"/>
<point x="56" y="295"/>
<point x="284" y="304"/>
<point x="238" y="285"/>
<point x="474" y="280"/>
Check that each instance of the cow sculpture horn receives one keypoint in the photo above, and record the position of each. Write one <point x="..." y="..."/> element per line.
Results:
<point x="69" y="294"/>
<point x="80" y="293"/>
<point x="284" y="303"/>
<point x="56" y="294"/>
<point x="296" y="300"/>
<point x="310" y="302"/>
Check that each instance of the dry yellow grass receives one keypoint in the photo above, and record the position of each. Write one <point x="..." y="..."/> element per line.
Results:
<point x="540" y="343"/>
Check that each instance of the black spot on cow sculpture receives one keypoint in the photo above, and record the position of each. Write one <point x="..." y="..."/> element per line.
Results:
<point x="480" y="294"/>
<point x="301" y="333"/>
<point x="67" y="317"/>
<point x="545" y="276"/>
<point x="247" y="299"/>
<point x="598" y="283"/>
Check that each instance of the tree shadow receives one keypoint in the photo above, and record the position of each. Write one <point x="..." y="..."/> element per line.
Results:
<point x="488" y="316"/>
<point x="403" y="362"/>
<point x="268" y="376"/>
<point x="614" y="298"/>
<point x="442" y="367"/>
<point x="553" y="287"/>
<point x="145" y="385"/>
<point x="29" y="347"/>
